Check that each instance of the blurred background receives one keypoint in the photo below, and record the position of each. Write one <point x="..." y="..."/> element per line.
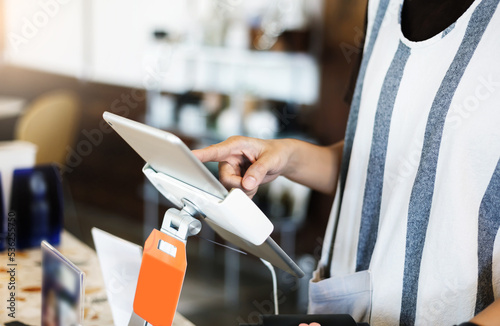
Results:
<point x="204" y="70"/>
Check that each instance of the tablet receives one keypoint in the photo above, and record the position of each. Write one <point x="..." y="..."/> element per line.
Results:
<point x="181" y="178"/>
<point x="165" y="152"/>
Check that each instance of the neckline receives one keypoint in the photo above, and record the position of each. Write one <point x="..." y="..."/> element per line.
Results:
<point x="446" y="33"/>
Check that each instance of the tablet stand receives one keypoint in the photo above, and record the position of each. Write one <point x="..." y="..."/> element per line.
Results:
<point x="164" y="265"/>
<point x="177" y="225"/>
<point x="164" y="262"/>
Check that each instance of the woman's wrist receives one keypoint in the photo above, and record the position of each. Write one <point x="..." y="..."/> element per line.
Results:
<point x="291" y="154"/>
<point x="309" y="164"/>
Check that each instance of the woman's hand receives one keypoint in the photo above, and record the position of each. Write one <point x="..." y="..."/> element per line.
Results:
<point x="246" y="163"/>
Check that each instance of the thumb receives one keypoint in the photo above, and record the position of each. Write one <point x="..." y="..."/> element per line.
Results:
<point x="256" y="173"/>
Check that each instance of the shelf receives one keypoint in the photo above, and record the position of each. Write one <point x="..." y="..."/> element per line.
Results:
<point x="281" y="76"/>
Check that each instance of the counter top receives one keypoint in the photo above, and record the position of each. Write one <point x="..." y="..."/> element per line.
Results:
<point x="29" y="279"/>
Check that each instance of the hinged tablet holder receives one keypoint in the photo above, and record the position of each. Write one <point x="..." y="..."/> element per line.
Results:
<point x="164" y="259"/>
<point x="163" y="268"/>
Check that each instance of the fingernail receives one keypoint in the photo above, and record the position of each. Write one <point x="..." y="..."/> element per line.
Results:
<point x="249" y="183"/>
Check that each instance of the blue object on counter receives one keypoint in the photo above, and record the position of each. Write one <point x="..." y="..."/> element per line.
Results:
<point x="38" y="204"/>
<point x="3" y="219"/>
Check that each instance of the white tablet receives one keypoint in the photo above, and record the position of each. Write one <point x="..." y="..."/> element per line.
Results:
<point x="181" y="177"/>
<point x="165" y="152"/>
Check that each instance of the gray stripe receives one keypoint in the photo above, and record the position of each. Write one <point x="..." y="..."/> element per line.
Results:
<point x="488" y="224"/>
<point x="423" y="188"/>
<point x="352" y="121"/>
<point x="375" y="176"/>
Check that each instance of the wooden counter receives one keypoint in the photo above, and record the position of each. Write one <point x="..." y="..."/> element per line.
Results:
<point x="29" y="281"/>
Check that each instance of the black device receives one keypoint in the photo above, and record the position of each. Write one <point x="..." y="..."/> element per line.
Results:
<point x="295" y="320"/>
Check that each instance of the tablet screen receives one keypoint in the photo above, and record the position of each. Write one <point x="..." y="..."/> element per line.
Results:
<point x="166" y="153"/>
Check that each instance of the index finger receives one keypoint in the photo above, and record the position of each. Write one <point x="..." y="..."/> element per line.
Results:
<point x="213" y="153"/>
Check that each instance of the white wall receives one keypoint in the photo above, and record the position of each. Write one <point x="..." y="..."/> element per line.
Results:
<point x="45" y="35"/>
<point x="111" y="41"/>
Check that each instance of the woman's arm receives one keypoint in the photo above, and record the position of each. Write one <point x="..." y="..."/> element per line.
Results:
<point x="315" y="166"/>
<point x="489" y="316"/>
<point x="248" y="162"/>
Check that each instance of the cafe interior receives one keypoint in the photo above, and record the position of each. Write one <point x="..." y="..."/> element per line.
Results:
<point x="203" y="70"/>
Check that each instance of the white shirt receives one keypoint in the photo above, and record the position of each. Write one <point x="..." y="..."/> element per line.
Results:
<point x="420" y="207"/>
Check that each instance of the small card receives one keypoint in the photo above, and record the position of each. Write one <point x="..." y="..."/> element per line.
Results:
<point x="62" y="289"/>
